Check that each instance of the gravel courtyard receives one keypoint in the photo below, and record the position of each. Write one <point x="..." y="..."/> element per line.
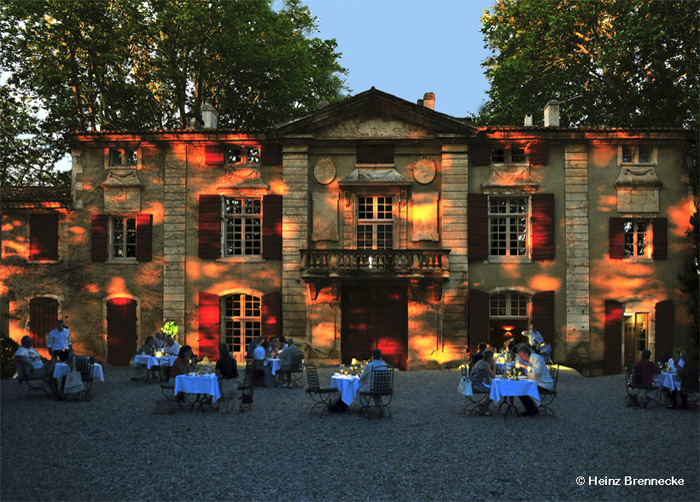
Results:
<point x="116" y="448"/>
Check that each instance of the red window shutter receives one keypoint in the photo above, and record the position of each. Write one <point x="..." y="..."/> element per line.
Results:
<point x="43" y="237"/>
<point x="479" y="326"/>
<point x="481" y="155"/>
<point x="270" y="154"/>
<point x="99" y="237"/>
<point x="660" y="230"/>
<point x="543" y="226"/>
<point x="272" y="227"/>
<point x="617" y="238"/>
<point x="543" y="314"/>
<point x="612" y="338"/>
<point x="663" y="333"/>
<point x="43" y="313"/>
<point x="478" y="226"/>
<point x="209" y="227"/>
<point x="214" y="155"/>
<point x="539" y="153"/>
<point x="271" y="306"/>
<point x="209" y="319"/>
<point x="144" y="230"/>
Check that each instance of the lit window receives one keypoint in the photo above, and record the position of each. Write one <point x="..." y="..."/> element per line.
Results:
<point x="508" y="226"/>
<point x="123" y="237"/>
<point x="637" y="238"/>
<point x="509" y="313"/>
<point x="241" y="321"/>
<point x="122" y="157"/>
<point x="242" y="226"/>
<point x="375" y="226"/>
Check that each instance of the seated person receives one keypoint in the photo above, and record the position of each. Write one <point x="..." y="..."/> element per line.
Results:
<point x="479" y="355"/>
<point x="689" y="382"/>
<point x="537" y="371"/>
<point x="159" y="341"/>
<point x="481" y="375"/>
<point x="272" y="349"/>
<point x="181" y="366"/>
<point x="282" y="344"/>
<point x="227" y="371"/>
<point x="286" y="360"/>
<point x="147" y="349"/>
<point x="262" y="374"/>
<point x="33" y="366"/>
<point x="644" y="370"/>
<point x="252" y="346"/>
<point x="172" y="348"/>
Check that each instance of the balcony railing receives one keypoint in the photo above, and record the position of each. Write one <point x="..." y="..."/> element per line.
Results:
<point x="411" y="263"/>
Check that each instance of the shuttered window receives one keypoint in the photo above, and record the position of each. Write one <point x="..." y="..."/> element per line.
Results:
<point x="209" y="325"/>
<point x="241" y="320"/>
<point x="478" y="226"/>
<point x="543" y="226"/>
<point x="43" y="313"/>
<point x="638" y="238"/>
<point x="543" y="314"/>
<point x="43" y="237"/>
<point x="663" y="332"/>
<point x="612" y="338"/>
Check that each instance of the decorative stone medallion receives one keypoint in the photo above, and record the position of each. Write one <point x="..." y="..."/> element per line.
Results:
<point x="424" y="171"/>
<point x="324" y="170"/>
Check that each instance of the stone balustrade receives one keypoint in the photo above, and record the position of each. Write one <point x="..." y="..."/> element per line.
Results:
<point x="410" y="263"/>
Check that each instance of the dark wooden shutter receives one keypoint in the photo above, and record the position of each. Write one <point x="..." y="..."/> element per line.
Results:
<point x="543" y="314"/>
<point x="612" y="338"/>
<point x="479" y="326"/>
<point x="209" y="319"/>
<point x="144" y="237"/>
<point x="660" y="230"/>
<point x="478" y="223"/>
<point x="539" y="153"/>
<point x="99" y="237"/>
<point x="617" y="238"/>
<point x="663" y="331"/>
<point x="543" y="226"/>
<point x="271" y="306"/>
<point x="209" y="227"/>
<point x="121" y="331"/>
<point x="43" y="313"/>
<point x="481" y="155"/>
<point x="270" y="154"/>
<point x="375" y="154"/>
<point x="272" y="227"/>
<point x="43" y="237"/>
<point x="214" y="155"/>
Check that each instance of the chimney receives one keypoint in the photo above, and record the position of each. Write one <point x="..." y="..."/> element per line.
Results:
<point x="209" y="116"/>
<point x="551" y="114"/>
<point x="429" y="100"/>
<point x="528" y="120"/>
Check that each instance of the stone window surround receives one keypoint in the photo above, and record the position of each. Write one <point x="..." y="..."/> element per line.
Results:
<point x="399" y="203"/>
<point x="526" y="258"/>
<point x="246" y="194"/>
<point x="513" y="289"/>
<point x="653" y="151"/>
<point x="108" y="157"/>
<point x="649" y="240"/>
<point x="507" y="147"/>
<point x="126" y="260"/>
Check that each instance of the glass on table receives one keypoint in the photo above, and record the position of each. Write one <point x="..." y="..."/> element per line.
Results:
<point x="341" y="370"/>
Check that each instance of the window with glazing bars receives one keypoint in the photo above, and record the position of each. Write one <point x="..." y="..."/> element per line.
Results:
<point x="242" y="226"/>
<point x="636" y="238"/>
<point x="508" y="226"/>
<point x="509" y="304"/>
<point x="241" y="321"/>
<point x="375" y="226"/>
<point x="123" y="237"/>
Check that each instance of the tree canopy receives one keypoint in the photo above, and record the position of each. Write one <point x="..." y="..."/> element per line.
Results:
<point x="611" y="63"/>
<point x="151" y="64"/>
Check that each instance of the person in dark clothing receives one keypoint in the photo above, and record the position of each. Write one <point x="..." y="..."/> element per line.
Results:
<point x="227" y="371"/>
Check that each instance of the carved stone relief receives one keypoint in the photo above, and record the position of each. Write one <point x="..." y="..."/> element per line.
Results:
<point x="324" y="171"/>
<point x="638" y="189"/>
<point x="122" y="192"/>
<point x="424" y="171"/>
<point x="510" y="178"/>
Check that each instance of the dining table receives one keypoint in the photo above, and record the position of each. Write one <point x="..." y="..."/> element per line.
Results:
<point x="61" y="369"/>
<point x="153" y="361"/>
<point x="204" y="386"/>
<point x="506" y="389"/>
<point x="668" y="380"/>
<point x="347" y="385"/>
<point x="274" y="363"/>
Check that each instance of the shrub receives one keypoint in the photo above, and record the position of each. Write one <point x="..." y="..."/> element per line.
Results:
<point x="8" y="347"/>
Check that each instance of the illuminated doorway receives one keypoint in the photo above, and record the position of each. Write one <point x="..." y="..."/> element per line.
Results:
<point x="636" y="336"/>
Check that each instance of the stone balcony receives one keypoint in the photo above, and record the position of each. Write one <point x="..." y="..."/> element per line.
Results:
<point x="385" y="263"/>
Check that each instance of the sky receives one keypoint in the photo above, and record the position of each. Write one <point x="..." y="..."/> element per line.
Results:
<point x="410" y="47"/>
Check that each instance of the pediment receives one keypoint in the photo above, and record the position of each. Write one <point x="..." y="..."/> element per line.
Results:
<point x="373" y="128"/>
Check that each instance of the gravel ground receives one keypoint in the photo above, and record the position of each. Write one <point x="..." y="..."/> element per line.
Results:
<point x="116" y="448"/>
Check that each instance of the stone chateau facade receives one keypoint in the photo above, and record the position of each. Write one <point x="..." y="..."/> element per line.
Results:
<point x="372" y="222"/>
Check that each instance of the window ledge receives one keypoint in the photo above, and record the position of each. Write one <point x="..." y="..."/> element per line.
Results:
<point x="509" y="259"/>
<point x="638" y="259"/>
<point x="42" y="262"/>
<point x="122" y="261"/>
<point x="241" y="259"/>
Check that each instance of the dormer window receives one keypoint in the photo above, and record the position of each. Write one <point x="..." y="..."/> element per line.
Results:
<point x="122" y="157"/>
<point x="633" y="154"/>
<point x="231" y="154"/>
<point x="508" y="154"/>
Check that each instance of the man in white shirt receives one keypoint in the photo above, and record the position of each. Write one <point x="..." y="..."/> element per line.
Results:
<point x="537" y="371"/>
<point x="32" y="366"/>
<point x="171" y="346"/>
<point x="59" y="342"/>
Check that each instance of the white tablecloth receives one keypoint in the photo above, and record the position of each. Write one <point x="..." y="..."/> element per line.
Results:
<point x="669" y="380"/>
<point x="276" y="364"/>
<point x="151" y="361"/>
<point x="347" y="385"/>
<point x="61" y="370"/>
<point x="501" y="388"/>
<point x="206" y="384"/>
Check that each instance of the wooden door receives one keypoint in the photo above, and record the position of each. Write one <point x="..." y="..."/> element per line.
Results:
<point x="375" y="317"/>
<point x="121" y="331"/>
<point x="43" y="313"/>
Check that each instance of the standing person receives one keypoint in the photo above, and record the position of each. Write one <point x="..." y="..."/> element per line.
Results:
<point x="286" y="359"/>
<point x="59" y="342"/>
<point x="35" y="366"/>
<point x="537" y="371"/>
<point x="227" y="371"/>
